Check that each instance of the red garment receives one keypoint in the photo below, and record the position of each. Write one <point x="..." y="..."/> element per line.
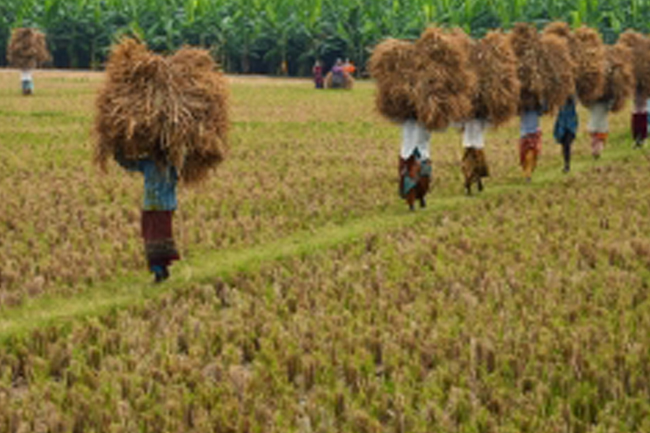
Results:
<point x="159" y="238"/>
<point x="530" y="142"/>
<point x="640" y="125"/>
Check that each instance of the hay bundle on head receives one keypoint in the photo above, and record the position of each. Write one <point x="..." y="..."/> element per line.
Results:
<point x="27" y="49"/>
<point x="556" y="69"/>
<point x="172" y="110"/>
<point x="640" y="47"/>
<point x="445" y="84"/>
<point x="498" y="90"/>
<point x="589" y="58"/>
<point x="619" y="73"/>
<point x="527" y="46"/>
<point x="561" y="29"/>
<point x="392" y="65"/>
<point x="348" y="81"/>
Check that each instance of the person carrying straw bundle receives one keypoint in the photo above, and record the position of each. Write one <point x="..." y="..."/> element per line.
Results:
<point x="640" y="49"/>
<point x="338" y="77"/>
<point x="393" y="65"/>
<point x="588" y="54"/>
<point x="445" y="88"/>
<point x="566" y="130"/>
<point x="166" y="118"/>
<point x="545" y="70"/>
<point x="620" y="86"/>
<point x="639" y="46"/>
<point x="495" y="102"/>
<point x="27" y="51"/>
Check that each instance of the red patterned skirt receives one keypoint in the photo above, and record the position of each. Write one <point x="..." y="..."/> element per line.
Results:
<point x="640" y="125"/>
<point x="159" y="244"/>
<point x="530" y="142"/>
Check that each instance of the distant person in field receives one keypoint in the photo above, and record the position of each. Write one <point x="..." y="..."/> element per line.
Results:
<point x="566" y="129"/>
<point x="318" y="74"/>
<point x="640" y="121"/>
<point x="338" y="75"/>
<point x="530" y="142"/>
<point x="157" y="214"/>
<point x="475" y="167"/>
<point x="27" y="81"/>
<point x="598" y="127"/>
<point x="349" y="67"/>
<point x="414" y="163"/>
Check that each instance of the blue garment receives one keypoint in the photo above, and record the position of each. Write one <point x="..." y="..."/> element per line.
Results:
<point x="567" y="121"/>
<point x="529" y="122"/>
<point x="159" y="184"/>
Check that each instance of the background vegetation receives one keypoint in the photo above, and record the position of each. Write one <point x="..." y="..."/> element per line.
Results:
<point x="258" y="36"/>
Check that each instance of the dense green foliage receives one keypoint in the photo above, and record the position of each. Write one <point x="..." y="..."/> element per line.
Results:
<point x="259" y="35"/>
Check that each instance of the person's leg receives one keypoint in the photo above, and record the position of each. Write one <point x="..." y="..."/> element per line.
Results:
<point x="567" y="141"/>
<point x="467" y="167"/>
<point x="157" y="231"/>
<point x="424" y="183"/>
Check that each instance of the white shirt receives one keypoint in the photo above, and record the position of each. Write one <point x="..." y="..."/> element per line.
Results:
<point x="415" y="136"/>
<point x="26" y="75"/>
<point x="473" y="131"/>
<point x="598" y="121"/>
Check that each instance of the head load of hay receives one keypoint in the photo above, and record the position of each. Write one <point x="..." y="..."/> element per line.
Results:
<point x="392" y="65"/>
<point x="619" y="77"/>
<point x="27" y="49"/>
<point x="640" y="48"/>
<point x="588" y="55"/>
<point x="545" y="68"/>
<point x="445" y="84"/>
<point x="497" y="94"/>
<point x="169" y="109"/>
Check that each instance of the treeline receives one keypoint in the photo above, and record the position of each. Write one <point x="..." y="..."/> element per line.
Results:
<point x="286" y="36"/>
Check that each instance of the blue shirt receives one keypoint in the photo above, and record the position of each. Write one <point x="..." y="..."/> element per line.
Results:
<point x="159" y="184"/>
<point x="567" y="121"/>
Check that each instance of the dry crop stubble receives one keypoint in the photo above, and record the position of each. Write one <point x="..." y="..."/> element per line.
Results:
<point x="490" y="316"/>
<point x="301" y="160"/>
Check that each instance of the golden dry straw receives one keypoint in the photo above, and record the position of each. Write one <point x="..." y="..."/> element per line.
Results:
<point x="498" y="90"/>
<point x="545" y="68"/>
<point x="561" y="29"/>
<point x="27" y="49"/>
<point x="589" y="57"/>
<point x="556" y="68"/>
<point x="392" y="65"/>
<point x="619" y="72"/>
<point x="640" y="47"/>
<point x="445" y="84"/>
<point x="527" y="46"/>
<point x="173" y="110"/>
<point x="348" y="81"/>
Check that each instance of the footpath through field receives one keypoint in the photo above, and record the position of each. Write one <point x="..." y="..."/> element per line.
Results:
<point x="208" y="267"/>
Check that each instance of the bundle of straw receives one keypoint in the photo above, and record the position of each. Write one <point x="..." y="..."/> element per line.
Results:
<point x="348" y="81"/>
<point x="497" y="96"/>
<point x="556" y="69"/>
<point x="392" y="65"/>
<point x="445" y="84"/>
<point x="589" y="58"/>
<point x="619" y="72"/>
<point x="640" y="47"/>
<point x="172" y="110"/>
<point x="545" y="68"/>
<point x="528" y="49"/>
<point x="27" y="49"/>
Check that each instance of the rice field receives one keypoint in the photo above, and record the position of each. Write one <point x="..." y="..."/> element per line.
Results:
<point x="309" y="298"/>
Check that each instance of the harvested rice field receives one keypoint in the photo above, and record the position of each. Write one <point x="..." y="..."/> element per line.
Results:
<point x="309" y="299"/>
